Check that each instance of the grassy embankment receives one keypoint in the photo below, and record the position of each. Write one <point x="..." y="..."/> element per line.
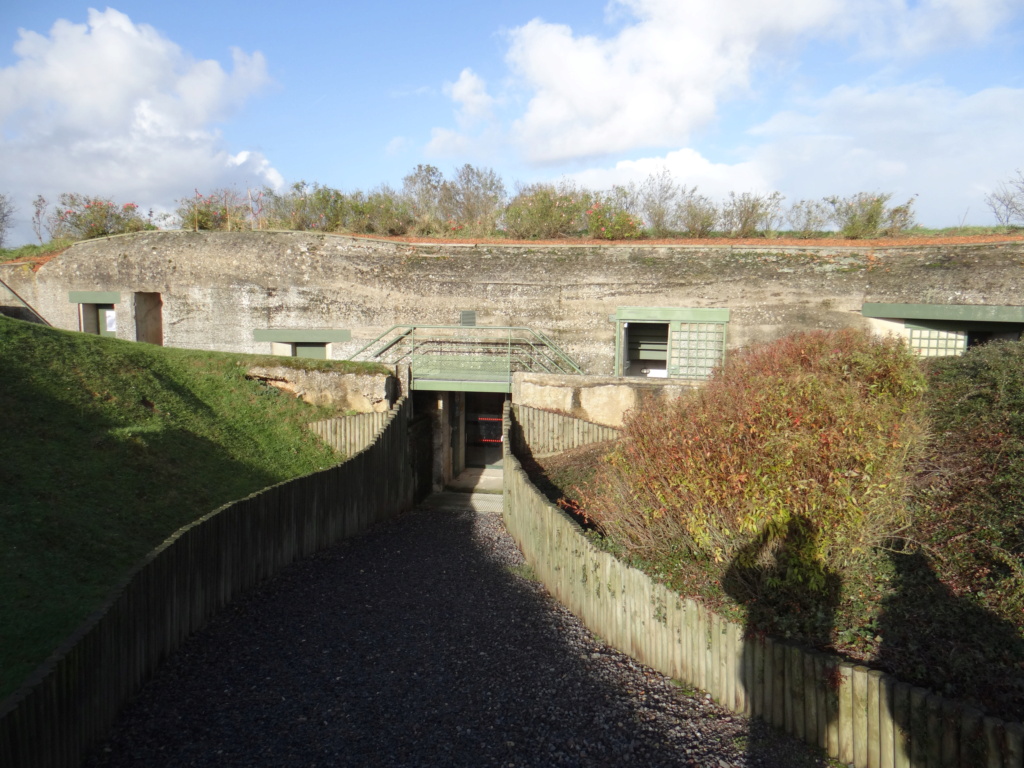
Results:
<point x="107" y="448"/>
<point x="889" y="531"/>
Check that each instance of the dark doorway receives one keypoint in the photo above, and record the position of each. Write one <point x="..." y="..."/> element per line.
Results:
<point x="646" y="349"/>
<point x="483" y="428"/>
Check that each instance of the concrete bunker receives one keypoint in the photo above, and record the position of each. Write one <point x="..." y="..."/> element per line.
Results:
<point x="934" y="330"/>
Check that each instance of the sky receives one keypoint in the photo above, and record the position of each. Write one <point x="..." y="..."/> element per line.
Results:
<point x="149" y="102"/>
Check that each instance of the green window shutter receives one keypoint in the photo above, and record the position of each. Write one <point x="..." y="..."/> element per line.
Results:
<point x="311" y="350"/>
<point x="107" y="319"/>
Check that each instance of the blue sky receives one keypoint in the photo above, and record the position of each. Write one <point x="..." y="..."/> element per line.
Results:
<point x="146" y="102"/>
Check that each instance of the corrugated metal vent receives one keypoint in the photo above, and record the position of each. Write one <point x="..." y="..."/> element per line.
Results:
<point x="467" y="317"/>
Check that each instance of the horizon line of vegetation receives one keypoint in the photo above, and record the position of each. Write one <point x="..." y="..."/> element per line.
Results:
<point x="474" y="203"/>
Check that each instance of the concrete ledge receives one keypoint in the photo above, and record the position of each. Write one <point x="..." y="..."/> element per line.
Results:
<point x="600" y="399"/>
<point x="364" y="393"/>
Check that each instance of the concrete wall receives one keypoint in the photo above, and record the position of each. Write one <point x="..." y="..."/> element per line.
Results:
<point x="600" y="399"/>
<point x="217" y="288"/>
<point x="366" y="393"/>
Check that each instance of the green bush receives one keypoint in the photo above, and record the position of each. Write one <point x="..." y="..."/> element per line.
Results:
<point x="971" y="496"/>
<point x="383" y="212"/>
<point x="81" y="217"/>
<point x="814" y="430"/>
<point x="608" y="221"/>
<point x="223" y="209"/>
<point x="545" y="211"/>
<point x="309" y="207"/>
<point x="867" y="215"/>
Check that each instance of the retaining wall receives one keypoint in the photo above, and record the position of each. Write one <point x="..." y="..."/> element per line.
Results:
<point x="544" y="433"/>
<point x="350" y="434"/>
<point x="858" y="715"/>
<point x="72" y="700"/>
<point x="599" y="399"/>
<point x="218" y="288"/>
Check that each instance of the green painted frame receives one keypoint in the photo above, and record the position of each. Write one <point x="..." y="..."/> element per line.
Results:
<point x="308" y="335"/>
<point x="94" y="297"/>
<point x="674" y="317"/>
<point x="959" y="313"/>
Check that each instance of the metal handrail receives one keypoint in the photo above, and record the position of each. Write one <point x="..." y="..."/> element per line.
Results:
<point x="546" y="350"/>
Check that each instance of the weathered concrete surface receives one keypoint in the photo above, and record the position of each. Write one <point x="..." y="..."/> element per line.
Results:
<point x="600" y="399"/>
<point x="353" y="392"/>
<point x="217" y="288"/>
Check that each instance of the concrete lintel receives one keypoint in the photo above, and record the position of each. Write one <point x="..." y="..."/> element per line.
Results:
<point x="311" y="335"/>
<point x="962" y="312"/>
<point x="94" y="297"/>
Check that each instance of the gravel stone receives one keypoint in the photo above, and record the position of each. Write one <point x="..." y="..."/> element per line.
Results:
<point x="423" y="642"/>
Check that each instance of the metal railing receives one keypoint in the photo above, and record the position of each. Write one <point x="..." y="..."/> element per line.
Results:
<point x="481" y="353"/>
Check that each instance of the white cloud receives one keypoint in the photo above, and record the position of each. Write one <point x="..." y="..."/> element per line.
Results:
<point x="948" y="147"/>
<point x="669" y="65"/>
<point x="396" y="146"/>
<point x="897" y="28"/>
<point x="688" y="167"/>
<point x="654" y="82"/>
<point x="445" y="142"/>
<point x="470" y="93"/>
<point x="113" y="108"/>
<point x="474" y="115"/>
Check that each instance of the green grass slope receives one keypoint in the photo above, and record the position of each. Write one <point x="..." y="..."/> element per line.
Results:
<point x="106" y="448"/>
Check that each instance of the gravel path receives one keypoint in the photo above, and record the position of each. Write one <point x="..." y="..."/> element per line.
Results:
<point x="422" y="643"/>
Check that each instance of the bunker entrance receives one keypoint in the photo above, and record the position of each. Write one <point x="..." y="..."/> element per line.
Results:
<point x="483" y="429"/>
<point x="466" y="429"/>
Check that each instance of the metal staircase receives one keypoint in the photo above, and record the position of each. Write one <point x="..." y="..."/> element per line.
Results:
<point x="475" y="358"/>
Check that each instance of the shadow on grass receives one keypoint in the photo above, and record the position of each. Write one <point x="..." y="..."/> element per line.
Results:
<point x="85" y="496"/>
<point x="947" y="643"/>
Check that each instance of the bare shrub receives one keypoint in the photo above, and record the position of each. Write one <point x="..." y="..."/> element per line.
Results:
<point x="1007" y="201"/>
<point x="658" y="197"/>
<point x="472" y="202"/>
<point x="808" y="217"/>
<point x="223" y="209"/>
<point x="697" y="215"/>
<point x="7" y="211"/>
<point x="422" y="189"/>
<point x="41" y="218"/>
<point x="749" y="214"/>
